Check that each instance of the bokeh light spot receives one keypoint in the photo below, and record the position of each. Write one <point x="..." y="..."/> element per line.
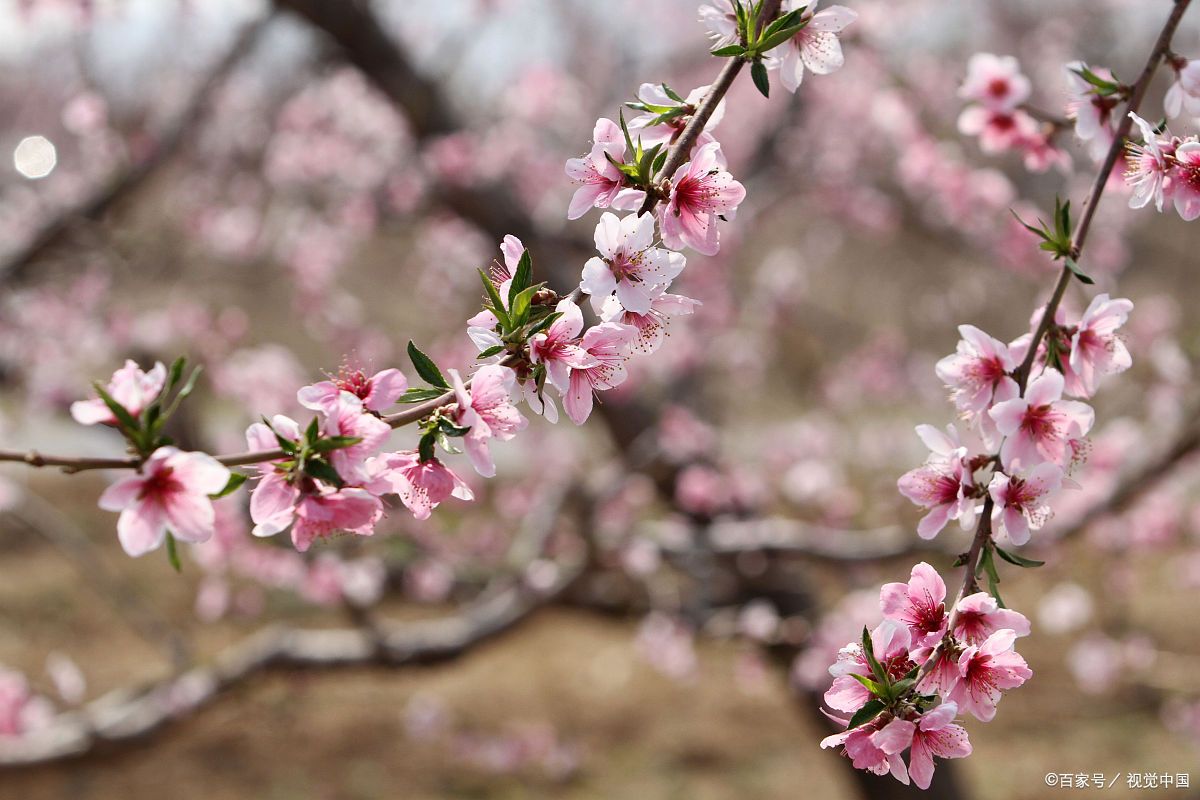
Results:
<point x="35" y="157"/>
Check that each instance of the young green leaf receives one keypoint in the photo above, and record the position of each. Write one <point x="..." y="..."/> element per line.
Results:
<point x="419" y="395"/>
<point x="496" y="304"/>
<point x="523" y="278"/>
<point x="236" y="479"/>
<point x="173" y="554"/>
<point x="324" y="472"/>
<point x="867" y="713"/>
<point x="174" y="375"/>
<point x="331" y="443"/>
<point x="729" y="51"/>
<point x="758" y="71"/>
<point x="127" y="422"/>
<point x="671" y="93"/>
<point x="1077" y="272"/>
<point x="425" y="367"/>
<point x="869" y="653"/>
<point x="1017" y="560"/>
<point x="874" y="688"/>
<point x="426" y="446"/>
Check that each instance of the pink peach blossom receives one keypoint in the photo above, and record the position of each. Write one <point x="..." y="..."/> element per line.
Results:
<point x="376" y="393"/>
<point x="1020" y="500"/>
<point x="943" y="484"/>
<point x="606" y="344"/>
<point x="1041" y="425"/>
<point x="1091" y="111"/>
<point x="978" y="616"/>
<point x="986" y="671"/>
<point x="421" y="485"/>
<point x="346" y="417"/>
<point x="936" y="735"/>
<point x="169" y="492"/>
<point x="488" y="411"/>
<point x="995" y="82"/>
<point x="701" y="191"/>
<point x="720" y="19"/>
<point x="652" y="327"/>
<point x="890" y="644"/>
<point x="977" y="375"/>
<point x="558" y="346"/>
<point x="816" y="46"/>
<point x="1096" y="349"/>
<point x="919" y="604"/>
<point x="1148" y="166"/>
<point x="644" y="128"/>
<point x="1184" y="183"/>
<point x="133" y="390"/>
<point x="601" y="181"/>
<point x="628" y="264"/>
<point x="327" y="511"/>
<point x="1184" y="95"/>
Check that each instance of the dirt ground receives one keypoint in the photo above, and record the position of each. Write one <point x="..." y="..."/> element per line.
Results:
<point x="342" y="735"/>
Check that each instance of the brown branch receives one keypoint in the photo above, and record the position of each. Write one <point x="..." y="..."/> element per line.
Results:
<point x="124" y="716"/>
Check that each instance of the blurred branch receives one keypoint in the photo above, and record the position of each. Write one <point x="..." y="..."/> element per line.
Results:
<point x="782" y="536"/>
<point x="44" y="519"/>
<point x="95" y="205"/>
<point x="127" y="715"/>
<point x="1143" y="480"/>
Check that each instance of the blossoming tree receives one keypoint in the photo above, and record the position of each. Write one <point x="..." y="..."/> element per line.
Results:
<point x="566" y="325"/>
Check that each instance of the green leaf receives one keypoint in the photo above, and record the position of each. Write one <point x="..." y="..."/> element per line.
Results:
<point x="312" y="432"/>
<point x="424" y="365"/>
<point x="778" y="38"/>
<point x="988" y="564"/>
<point x="1017" y="560"/>
<point x="1041" y="232"/>
<point x="494" y="350"/>
<point x="331" y="443"/>
<point x="1079" y="273"/>
<point x="758" y="71"/>
<point x="426" y="446"/>
<point x="867" y="713"/>
<point x="646" y="164"/>
<point x="873" y="687"/>
<point x="901" y="687"/>
<point x="1103" y="87"/>
<point x="324" y="472"/>
<point x="1062" y="214"/>
<point x="497" y="305"/>
<point x="173" y="554"/>
<point x="671" y="93"/>
<point x="450" y="429"/>
<point x="625" y="130"/>
<point x="729" y="51"/>
<point x="523" y="278"/>
<point x="189" y="386"/>
<point x="236" y="479"/>
<point x="543" y="323"/>
<point x="174" y="375"/>
<point x="419" y="395"/>
<point x="127" y="422"/>
<point x="659" y="162"/>
<point x="519" y="312"/>
<point x="869" y="653"/>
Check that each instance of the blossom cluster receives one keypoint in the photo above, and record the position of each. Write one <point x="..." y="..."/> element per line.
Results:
<point x="908" y="679"/>
<point x="667" y="175"/>
<point x="997" y="91"/>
